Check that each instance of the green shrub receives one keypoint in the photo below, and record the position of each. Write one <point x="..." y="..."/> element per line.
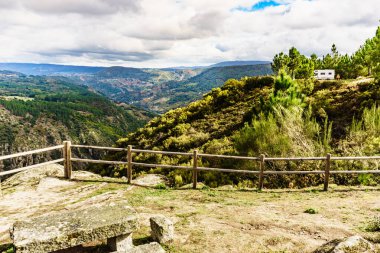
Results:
<point x="367" y="179"/>
<point x="205" y="187"/>
<point x="311" y="211"/>
<point x="7" y="248"/>
<point x="285" y="132"/>
<point x="306" y="86"/>
<point x="257" y="82"/>
<point x="161" y="186"/>
<point x="374" y="225"/>
<point x="178" y="180"/>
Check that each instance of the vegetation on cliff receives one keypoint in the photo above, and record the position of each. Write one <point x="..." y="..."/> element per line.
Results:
<point x="273" y="116"/>
<point x="43" y="111"/>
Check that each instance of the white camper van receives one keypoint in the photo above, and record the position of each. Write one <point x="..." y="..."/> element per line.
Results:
<point x="324" y="74"/>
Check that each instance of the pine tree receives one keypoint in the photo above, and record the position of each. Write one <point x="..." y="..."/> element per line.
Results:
<point x="294" y="61"/>
<point x="375" y="54"/>
<point x="280" y="62"/>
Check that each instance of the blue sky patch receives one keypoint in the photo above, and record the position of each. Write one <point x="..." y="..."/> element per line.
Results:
<point x="260" y="6"/>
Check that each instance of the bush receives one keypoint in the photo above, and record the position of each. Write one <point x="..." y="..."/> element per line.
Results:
<point x="362" y="140"/>
<point x="306" y="86"/>
<point x="178" y="180"/>
<point x="257" y="82"/>
<point x="311" y="211"/>
<point x="285" y="132"/>
<point x="374" y="225"/>
<point x="161" y="186"/>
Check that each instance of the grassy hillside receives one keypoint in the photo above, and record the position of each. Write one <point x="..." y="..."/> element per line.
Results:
<point x="245" y="117"/>
<point x="43" y="111"/>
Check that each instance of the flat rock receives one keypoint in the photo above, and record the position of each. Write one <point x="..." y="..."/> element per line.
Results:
<point x="68" y="229"/>
<point x="150" y="180"/>
<point x="49" y="183"/>
<point x="353" y="244"/>
<point x="32" y="177"/>
<point x="162" y="229"/>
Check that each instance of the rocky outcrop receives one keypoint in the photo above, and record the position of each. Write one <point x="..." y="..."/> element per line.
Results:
<point x="162" y="229"/>
<point x="114" y="222"/>
<point x="353" y="244"/>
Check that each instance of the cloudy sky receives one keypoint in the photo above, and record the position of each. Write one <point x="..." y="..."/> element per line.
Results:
<point x="161" y="33"/>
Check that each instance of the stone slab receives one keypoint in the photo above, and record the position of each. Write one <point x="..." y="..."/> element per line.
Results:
<point x="68" y="229"/>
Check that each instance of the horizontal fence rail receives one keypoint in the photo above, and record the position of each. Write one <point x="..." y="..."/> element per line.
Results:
<point x="261" y="159"/>
<point x="32" y="152"/>
<point x="67" y="160"/>
<point x="229" y="157"/>
<point x="295" y="158"/>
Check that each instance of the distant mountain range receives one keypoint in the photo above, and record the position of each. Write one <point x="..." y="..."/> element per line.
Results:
<point x="48" y="69"/>
<point x="154" y="89"/>
<point x="58" y="69"/>
<point x="239" y="63"/>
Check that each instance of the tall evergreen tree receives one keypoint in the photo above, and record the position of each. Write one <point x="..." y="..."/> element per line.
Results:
<point x="294" y="61"/>
<point x="280" y="62"/>
<point x="375" y="54"/>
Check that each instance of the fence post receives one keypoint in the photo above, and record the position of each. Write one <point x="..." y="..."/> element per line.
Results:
<point x="67" y="159"/>
<point x="261" y="175"/>
<point x="195" y="166"/>
<point x="327" y="172"/>
<point x="129" y="169"/>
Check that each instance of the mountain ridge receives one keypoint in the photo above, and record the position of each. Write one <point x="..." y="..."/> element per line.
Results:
<point x="52" y="69"/>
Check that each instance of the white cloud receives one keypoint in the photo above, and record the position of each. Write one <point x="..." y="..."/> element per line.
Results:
<point x="177" y="32"/>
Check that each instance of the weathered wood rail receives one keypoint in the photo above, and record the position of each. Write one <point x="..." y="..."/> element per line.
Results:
<point x="67" y="160"/>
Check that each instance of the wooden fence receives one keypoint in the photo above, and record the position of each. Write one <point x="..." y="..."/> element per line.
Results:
<point x="67" y="160"/>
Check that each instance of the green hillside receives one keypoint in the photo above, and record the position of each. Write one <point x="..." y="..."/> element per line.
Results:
<point x="247" y="117"/>
<point x="177" y="94"/>
<point x="160" y="90"/>
<point x="42" y="111"/>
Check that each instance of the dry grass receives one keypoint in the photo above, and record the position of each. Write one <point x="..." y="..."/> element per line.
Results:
<point x="248" y="221"/>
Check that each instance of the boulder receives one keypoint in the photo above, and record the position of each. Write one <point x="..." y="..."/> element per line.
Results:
<point x="162" y="229"/>
<point x="114" y="222"/>
<point x="353" y="244"/>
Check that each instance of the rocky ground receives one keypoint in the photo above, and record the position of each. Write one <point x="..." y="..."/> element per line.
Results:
<point x="206" y="220"/>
